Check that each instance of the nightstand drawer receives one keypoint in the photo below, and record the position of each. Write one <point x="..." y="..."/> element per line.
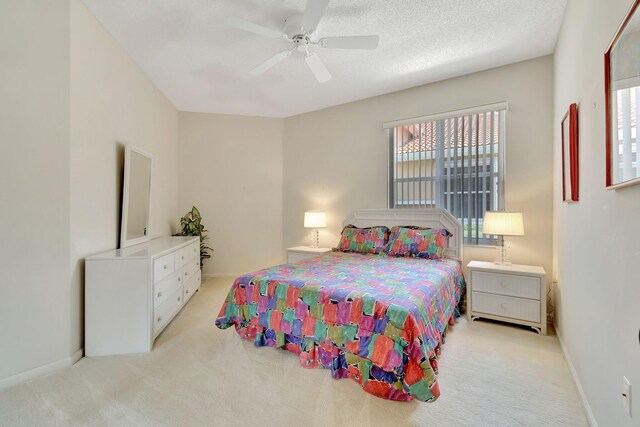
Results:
<point x="506" y="284"/>
<point x="515" y="308"/>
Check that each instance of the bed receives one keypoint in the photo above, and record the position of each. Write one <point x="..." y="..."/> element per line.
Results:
<point x="378" y="320"/>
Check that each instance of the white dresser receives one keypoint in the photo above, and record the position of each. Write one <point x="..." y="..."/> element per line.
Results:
<point x="510" y="293"/>
<point x="131" y="294"/>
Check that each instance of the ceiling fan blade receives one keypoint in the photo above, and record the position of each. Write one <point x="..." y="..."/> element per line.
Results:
<point x="350" y="42"/>
<point x="241" y="24"/>
<point x="312" y="14"/>
<point x="317" y="67"/>
<point x="270" y="62"/>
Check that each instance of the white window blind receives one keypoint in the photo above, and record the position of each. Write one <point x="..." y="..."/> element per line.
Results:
<point x="455" y="162"/>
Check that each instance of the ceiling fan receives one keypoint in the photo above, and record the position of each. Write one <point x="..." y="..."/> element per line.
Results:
<point x="301" y="32"/>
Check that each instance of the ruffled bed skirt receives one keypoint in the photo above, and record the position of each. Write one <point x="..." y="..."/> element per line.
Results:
<point x="401" y="384"/>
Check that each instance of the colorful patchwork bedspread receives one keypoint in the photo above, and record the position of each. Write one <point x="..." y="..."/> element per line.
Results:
<point x="376" y="319"/>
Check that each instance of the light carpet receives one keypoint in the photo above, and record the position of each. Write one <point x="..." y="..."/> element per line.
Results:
<point x="197" y="375"/>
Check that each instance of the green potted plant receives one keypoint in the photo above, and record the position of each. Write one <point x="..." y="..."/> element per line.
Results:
<point x="191" y="225"/>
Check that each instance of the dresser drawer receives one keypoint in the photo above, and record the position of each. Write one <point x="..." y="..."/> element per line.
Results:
<point x="163" y="289"/>
<point x="506" y="284"/>
<point x="515" y="308"/>
<point x="192" y="267"/>
<point x="185" y="255"/>
<point x="192" y="286"/>
<point x="162" y="267"/>
<point x="163" y="314"/>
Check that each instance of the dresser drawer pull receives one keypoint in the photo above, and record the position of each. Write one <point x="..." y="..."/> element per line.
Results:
<point x="503" y="285"/>
<point x="165" y="266"/>
<point x="186" y="292"/>
<point x="182" y="257"/>
<point x="186" y="274"/>
<point x="179" y="278"/>
<point x="159" y="294"/>
<point x="179" y="299"/>
<point x="503" y="305"/>
<point x="159" y="319"/>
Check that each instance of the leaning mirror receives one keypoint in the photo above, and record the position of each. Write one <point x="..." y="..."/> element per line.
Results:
<point x="622" y="86"/>
<point x="136" y="191"/>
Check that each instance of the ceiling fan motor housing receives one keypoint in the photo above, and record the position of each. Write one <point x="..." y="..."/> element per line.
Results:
<point x="294" y="31"/>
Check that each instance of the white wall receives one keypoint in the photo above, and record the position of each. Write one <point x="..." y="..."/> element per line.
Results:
<point x="231" y="170"/>
<point x="597" y="240"/>
<point x="70" y="98"/>
<point x="112" y="102"/>
<point x="34" y="184"/>
<point x="336" y="159"/>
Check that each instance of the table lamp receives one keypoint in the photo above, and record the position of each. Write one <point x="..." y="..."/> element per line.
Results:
<point x="315" y="220"/>
<point x="502" y="224"/>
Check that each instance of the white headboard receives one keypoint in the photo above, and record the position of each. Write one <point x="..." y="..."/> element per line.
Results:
<point x="428" y="217"/>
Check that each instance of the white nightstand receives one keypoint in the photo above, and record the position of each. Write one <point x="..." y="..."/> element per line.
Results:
<point x="510" y="293"/>
<point x="299" y="253"/>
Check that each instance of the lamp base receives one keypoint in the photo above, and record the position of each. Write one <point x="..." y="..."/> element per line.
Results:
<point x="315" y="238"/>
<point x="502" y="257"/>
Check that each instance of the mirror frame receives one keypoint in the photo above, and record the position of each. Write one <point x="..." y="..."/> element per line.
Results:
<point x="128" y="149"/>
<point x="610" y="184"/>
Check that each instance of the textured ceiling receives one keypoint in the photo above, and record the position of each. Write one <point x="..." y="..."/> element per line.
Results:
<point x="202" y="65"/>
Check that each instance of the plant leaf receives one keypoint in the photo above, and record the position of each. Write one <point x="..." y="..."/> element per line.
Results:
<point x="191" y="225"/>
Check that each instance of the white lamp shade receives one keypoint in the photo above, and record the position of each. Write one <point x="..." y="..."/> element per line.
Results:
<point x="315" y="219"/>
<point x="503" y="223"/>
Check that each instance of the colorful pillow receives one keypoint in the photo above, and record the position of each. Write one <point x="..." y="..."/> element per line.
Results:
<point x="418" y="242"/>
<point x="370" y="240"/>
<point x="394" y="232"/>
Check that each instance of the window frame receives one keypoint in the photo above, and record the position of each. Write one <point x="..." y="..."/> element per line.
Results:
<point x="500" y="108"/>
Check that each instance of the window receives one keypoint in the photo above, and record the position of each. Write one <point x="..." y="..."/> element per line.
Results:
<point x="625" y="145"/>
<point x="453" y="161"/>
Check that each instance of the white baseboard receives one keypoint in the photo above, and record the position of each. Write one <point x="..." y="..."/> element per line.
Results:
<point x="41" y="370"/>
<point x="583" y="397"/>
